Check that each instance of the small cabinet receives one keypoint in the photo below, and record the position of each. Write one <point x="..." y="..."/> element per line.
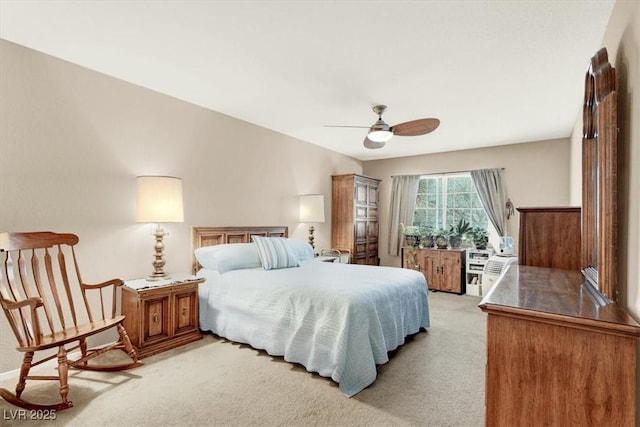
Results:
<point x="161" y="317"/>
<point x="476" y="260"/>
<point x="444" y="269"/>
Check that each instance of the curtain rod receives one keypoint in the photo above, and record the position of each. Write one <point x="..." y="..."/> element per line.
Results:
<point x="446" y="173"/>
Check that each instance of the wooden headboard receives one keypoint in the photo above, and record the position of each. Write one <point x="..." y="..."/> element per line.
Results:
<point x="211" y="236"/>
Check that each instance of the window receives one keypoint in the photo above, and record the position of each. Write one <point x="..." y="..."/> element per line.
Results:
<point x="443" y="200"/>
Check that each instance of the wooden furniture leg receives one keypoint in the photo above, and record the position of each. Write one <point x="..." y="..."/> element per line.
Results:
<point x="24" y="371"/>
<point x="124" y="337"/>
<point x="63" y="372"/>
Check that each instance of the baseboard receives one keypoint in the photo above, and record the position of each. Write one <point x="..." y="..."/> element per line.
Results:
<point x="9" y="375"/>
<point x="49" y="364"/>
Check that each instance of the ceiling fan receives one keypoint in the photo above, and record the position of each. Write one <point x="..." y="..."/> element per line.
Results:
<point x="380" y="132"/>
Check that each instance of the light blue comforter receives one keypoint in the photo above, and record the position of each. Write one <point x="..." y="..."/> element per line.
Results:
<point x="338" y="320"/>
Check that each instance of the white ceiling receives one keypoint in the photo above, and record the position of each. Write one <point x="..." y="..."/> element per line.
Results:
<point x="494" y="72"/>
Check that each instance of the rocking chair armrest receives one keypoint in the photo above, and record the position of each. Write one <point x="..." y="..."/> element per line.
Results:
<point x="33" y="302"/>
<point x="112" y="282"/>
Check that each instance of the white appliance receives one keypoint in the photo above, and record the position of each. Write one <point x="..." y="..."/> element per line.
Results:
<point x="493" y="268"/>
<point x="506" y="245"/>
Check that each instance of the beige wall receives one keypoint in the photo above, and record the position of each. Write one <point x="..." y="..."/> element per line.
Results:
<point x="536" y="174"/>
<point x="72" y="142"/>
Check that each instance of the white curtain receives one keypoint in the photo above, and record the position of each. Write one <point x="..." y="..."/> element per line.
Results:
<point x="404" y="190"/>
<point x="488" y="183"/>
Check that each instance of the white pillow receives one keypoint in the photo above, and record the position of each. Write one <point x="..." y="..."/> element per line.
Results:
<point x="301" y="249"/>
<point x="275" y="253"/>
<point x="233" y="256"/>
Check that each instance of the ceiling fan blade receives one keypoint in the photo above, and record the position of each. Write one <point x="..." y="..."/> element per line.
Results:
<point x="372" y="144"/>
<point x="346" y="126"/>
<point x="416" y="127"/>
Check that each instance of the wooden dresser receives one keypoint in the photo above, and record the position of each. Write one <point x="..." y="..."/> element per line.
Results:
<point x="550" y="237"/>
<point x="554" y="356"/>
<point x="354" y="217"/>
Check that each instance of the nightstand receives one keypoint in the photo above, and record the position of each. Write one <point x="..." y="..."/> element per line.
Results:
<point x="327" y="258"/>
<point x="161" y="314"/>
<point x="339" y="256"/>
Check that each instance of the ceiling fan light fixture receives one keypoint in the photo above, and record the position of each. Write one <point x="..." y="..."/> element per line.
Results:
<point x="380" y="135"/>
<point x="372" y="144"/>
<point x="380" y="132"/>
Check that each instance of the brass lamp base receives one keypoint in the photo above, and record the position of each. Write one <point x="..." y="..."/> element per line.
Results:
<point x="155" y="277"/>
<point x="311" y="229"/>
<point x="159" y="262"/>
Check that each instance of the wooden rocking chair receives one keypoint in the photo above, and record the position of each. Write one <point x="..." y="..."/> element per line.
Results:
<point x="40" y="295"/>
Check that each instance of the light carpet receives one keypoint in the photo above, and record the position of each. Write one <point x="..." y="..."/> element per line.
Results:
<point x="435" y="379"/>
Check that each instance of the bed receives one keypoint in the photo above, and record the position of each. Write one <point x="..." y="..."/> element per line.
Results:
<point x="338" y="320"/>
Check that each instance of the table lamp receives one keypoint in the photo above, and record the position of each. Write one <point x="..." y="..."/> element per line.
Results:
<point x="311" y="211"/>
<point x="159" y="200"/>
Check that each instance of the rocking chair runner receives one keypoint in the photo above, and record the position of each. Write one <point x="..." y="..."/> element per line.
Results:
<point x="40" y="294"/>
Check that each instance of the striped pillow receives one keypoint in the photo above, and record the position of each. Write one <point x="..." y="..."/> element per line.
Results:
<point x="275" y="253"/>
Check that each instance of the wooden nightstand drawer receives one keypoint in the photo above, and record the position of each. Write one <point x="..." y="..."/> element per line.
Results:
<point x="161" y="315"/>
<point x="156" y="318"/>
<point x="186" y="314"/>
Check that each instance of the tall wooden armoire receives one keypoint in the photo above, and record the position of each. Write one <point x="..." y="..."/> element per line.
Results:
<point x="354" y="217"/>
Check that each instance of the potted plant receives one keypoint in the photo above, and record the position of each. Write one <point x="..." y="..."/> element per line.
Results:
<point x="411" y="235"/>
<point x="480" y="237"/>
<point x="442" y="238"/>
<point x="457" y="232"/>
<point x="426" y="236"/>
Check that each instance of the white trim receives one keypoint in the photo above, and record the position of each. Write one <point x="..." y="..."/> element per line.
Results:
<point x="49" y="363"/>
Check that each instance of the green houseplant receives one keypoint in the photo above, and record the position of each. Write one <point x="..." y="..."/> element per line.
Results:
<point x="442" y="238"/>
<point x="411" y="235"/>
<point x="458" y="231"/>
<point x="426" y="236"/>
<point x="480" y="237"/>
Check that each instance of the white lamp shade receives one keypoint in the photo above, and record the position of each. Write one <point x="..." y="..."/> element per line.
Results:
<point x="159" y="199"/>
<point x="312" y="208"/>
